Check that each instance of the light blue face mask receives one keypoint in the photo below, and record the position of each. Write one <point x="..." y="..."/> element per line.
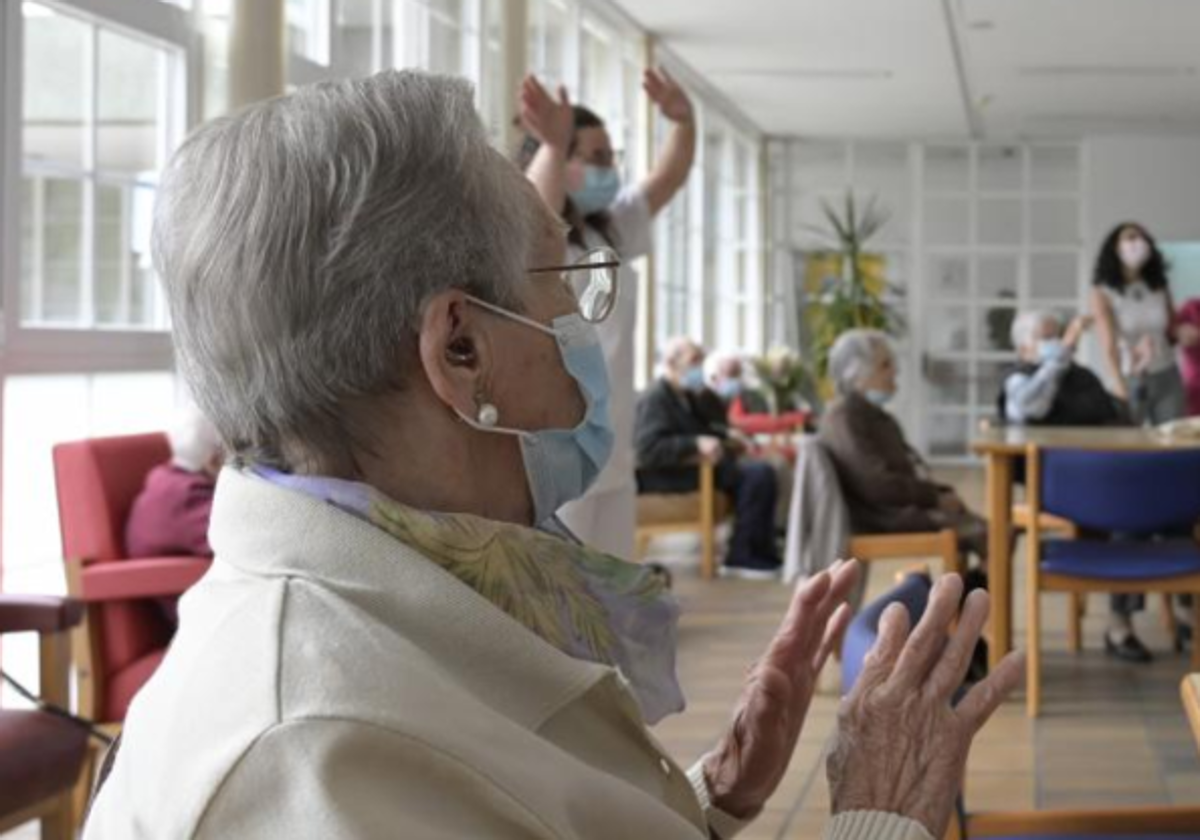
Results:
<point x="561" y="464"/>
<point x="1049" y="349"/>
<point x="879" y="398"/>
<point x="729" y="389"/>
<point x="693" y="378"/>
<point x="600" y="187"/>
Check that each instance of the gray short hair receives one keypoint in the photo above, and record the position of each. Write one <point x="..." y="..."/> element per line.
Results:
<point x="852" y="357"/>
<point x="299" y="239"/>
<point x="1028" y="324"/>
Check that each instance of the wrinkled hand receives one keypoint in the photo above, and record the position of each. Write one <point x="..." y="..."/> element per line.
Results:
<point x="550" y="120"/>
<point x="711" y="449"/>
<point x="670" y="97"/>
<point x="753" y="755"/>
<point x="900" y="746"/>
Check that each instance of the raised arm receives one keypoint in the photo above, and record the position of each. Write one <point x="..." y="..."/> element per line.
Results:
<point x="552" y="123"/>
<point x="1106" y="328"/>
<point x="675" y="159"/>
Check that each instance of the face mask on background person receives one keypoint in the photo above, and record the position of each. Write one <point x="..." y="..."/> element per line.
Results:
<point x="600" y="187"/>
<point x="693" y="378"/>
<point x="561" y="464"/>
<point x="1134" y="253"/>
<point x="1049" y="349"/>
<point x="878" y="397"/>
<point x="729" y="389"/>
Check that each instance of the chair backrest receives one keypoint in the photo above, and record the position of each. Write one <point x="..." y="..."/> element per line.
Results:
<point x="1137" y="492"/>
<point x="818" y="526"/>
<point x="913" y="592"/>
<point x="97" y="481"/>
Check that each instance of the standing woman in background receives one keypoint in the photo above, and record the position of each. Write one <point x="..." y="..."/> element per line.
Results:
<point x="1136" y="320"/>
<point x="569" y="157"/>
<point x="1188" y="331"/>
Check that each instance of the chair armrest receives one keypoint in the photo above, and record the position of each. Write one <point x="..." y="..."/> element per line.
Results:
<point x="38" y="613"/>
<point x="152" y="577"/>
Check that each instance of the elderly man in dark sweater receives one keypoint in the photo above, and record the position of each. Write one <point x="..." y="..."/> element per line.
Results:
<point x="680" y="424"/>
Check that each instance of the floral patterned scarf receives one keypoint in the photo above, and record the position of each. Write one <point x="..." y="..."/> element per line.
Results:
<point x="589" y="605"/>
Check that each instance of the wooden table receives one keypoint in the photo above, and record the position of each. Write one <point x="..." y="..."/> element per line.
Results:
<point x="1191" y="702"/>
<point x="1000" y="447"/>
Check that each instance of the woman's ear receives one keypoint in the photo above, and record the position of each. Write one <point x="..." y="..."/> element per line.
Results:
<point x="454" y="352"/>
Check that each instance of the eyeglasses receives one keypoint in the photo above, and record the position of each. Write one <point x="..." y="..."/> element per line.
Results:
<point x="593" y="280"/>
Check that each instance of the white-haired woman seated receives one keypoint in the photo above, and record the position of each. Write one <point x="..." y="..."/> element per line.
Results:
<point x="395" y="640"/>
<point x="888" y="487"/>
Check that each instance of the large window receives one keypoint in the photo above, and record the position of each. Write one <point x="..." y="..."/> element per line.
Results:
<point x="98" y="120"/>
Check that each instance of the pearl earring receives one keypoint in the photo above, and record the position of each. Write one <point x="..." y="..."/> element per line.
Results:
<point x="488" y="415"/>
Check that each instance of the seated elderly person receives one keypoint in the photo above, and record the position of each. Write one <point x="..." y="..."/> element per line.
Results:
<point x="169" y="517"/>
<point x="681" y="423"/>
<point x="887" y="485"/>
<point x="1047" y="387"/>
<point x="394" y="639"/>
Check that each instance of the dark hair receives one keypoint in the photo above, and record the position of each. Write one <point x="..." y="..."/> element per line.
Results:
<point x="1110" y="272"/>
<point x="601" y="222"/>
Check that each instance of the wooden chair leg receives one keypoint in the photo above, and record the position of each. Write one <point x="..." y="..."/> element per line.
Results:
<point x="1075" y="622"/>
<point x="1195" y="630"/>
<point x="1033" y="655"/>
<point x="708" y="554"/>
<point x="1170" y="624"/>
<point x="58" y="824"/>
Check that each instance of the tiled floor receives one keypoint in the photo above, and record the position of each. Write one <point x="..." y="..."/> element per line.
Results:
<point x="1110" y="734"/>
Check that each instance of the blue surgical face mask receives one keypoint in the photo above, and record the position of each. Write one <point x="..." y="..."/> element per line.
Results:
<point x="693" y="378"/>
<point x="1049" y="349"/>
<point x="600" y="187"/>
<point x="561" y="464"/>
<point x="729" y="388"/>
<point x="879" y="398"/>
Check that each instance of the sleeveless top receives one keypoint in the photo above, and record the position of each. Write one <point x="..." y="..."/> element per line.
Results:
<point x="1139" y="312"/>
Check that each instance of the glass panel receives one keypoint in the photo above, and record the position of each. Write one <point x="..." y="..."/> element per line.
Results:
<point x="948" y="276"/>
<point x="445" y="47"/>
<point x="1000" y="168"/>
<point x="989" y="384"/>
<point x="548" y="41"/>
<point x="1054" y="168"/>
<point x="55" y="86"/>
<point x="997" y="277"/>
<point x="492" y="87"/>
<point x="1054" y="276"/>
<point x="51" y="250"/>
<point x="214" y="25"/>
<point x="947" y="329"/>
<point x="947" y="168"/>
<point x="819" y="166"/>
<point x="999" y="222"/>
<point x="306" y="32"/>
<point x="995" y="328"/>
<point x="948" y="435"/>
<point x="124" y="276"/>
<point x="129" y="123"/>
<point x="947" y="221"/>
<point x="599" y="80"/>
<point x="1054" y="222"/>
<point x="357" y="41"/>
<point x="949" y="381"/>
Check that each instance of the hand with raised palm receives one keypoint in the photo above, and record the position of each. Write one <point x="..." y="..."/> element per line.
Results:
<point x="670" y="97"/>
<point x="752" y="757"/>
<point x="550" y="119"/>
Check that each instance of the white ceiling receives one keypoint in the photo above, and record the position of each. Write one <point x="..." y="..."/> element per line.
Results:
<point x="943" y="68"/>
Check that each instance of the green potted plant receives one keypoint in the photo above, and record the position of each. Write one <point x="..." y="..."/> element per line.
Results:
<point x="853" y="294"/>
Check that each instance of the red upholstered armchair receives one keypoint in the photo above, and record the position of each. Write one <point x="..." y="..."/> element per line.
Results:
<point x="125" y="635"/>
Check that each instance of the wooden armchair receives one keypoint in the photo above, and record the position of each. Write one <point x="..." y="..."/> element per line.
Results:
<point x="671" y="513"/>
<point x="942" y="544"/>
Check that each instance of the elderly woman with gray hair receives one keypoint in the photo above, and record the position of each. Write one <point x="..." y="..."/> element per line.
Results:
<point x="395" y="638"/>
<point x="887" y="485"/>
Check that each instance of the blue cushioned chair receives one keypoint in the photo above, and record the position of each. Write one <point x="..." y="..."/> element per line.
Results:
<point x="1176" y="823"/>
<point x="1140" y="495"/>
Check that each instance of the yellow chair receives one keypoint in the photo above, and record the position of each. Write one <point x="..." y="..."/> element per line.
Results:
<point x="673" y="513"/>
<point x="942" y="544"/>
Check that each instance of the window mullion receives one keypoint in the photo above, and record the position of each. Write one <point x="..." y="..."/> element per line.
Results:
<point x="91" y="87"/>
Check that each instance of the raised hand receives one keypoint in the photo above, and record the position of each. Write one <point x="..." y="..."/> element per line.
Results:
<point x="901" y="747"/>
<point x="753" y="755"/>
<point x="550" y="119"/>
<point x="672" y="100"/>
